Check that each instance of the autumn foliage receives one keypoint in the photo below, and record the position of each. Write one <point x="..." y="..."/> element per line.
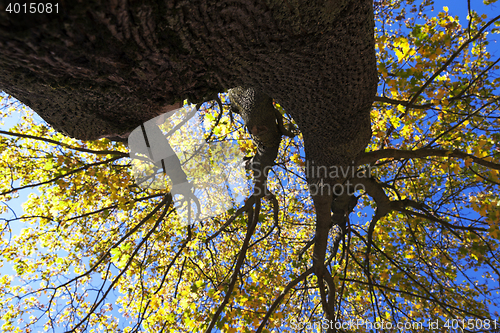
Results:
<point x="96" y="252"/>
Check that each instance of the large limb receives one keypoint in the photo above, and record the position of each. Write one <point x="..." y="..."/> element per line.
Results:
<point x="266" y="128"/>
<point x="265" y="125"/>
<point x="332" y="213"/>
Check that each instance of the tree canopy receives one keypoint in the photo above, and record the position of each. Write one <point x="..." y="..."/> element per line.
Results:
<point x="415" y="244"/>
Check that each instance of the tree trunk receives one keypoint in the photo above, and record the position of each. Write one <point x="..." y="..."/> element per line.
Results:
<point x="101" y="68"/>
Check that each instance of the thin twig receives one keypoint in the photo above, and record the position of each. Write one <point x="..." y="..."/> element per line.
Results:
<point x="279" y="299"/>
<point x="252" y="223"/>
<point x="129" y="261"/>
<point x="62" y="176"/>
<point x="374" y="156"/>
<point x="65" y="145"/>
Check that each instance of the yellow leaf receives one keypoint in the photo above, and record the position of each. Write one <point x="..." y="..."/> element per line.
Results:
<point x="405" y="132"/>
<point x="402" y="48"/>
<point x="395" y="121"/>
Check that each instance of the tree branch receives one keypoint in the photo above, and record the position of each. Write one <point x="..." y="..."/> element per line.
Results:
<point x="448" y="62"/>
<point x="374" y="156"/>
<point x="388" y="100"/>
<point x="252" y="223"/>
<point x="62" y="176"/>
<point x="165" y="201"/>
<point x="248" y="204"/>
<point x="129" y="261"/>
<point x="65" y="145"/>
<point x="279" y="299"/>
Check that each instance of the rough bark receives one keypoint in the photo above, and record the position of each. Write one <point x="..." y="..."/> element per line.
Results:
<point x="101" y="68"/>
